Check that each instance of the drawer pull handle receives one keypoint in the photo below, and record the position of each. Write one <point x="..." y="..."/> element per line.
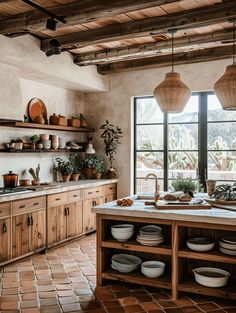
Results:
<point x="36" y="203"/>
<point x="75" y="196"/>
<point x="0" y="211"/>
<point x="57" y="199"/>
<point x="105" y="199"/>
<point x="97" y="191"/>
<point x="4" y="228"/>
<point x="65" y="211"/>
<point x="90" y="192"/>
<point x="22" y="206"/>
<point x="28" y="221"/>
<point x="31" y="220"/>
<point x="111" y="188"/>
<point x="68" y="211"/>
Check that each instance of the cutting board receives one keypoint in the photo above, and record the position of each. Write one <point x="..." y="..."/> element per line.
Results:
<point x="227" y="205"/>
<point x="178" y="205"/>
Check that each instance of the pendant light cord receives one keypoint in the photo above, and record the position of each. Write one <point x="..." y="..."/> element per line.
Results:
<point x="172" y="52"/>
<point x="234" y="42"/>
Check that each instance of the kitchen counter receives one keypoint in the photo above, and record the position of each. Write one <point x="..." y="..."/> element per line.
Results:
<point x="139" y="209"/>
<point x="56" y="188"/>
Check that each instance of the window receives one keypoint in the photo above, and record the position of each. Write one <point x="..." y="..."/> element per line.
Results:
<point x="200" y="142"/>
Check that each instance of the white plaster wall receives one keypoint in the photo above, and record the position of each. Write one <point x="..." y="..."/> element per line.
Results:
<point x="116" y="105"/>
<point x="15" y="94"/>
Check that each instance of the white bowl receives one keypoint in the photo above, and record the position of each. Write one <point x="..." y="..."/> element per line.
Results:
<point x="122" y="232"/>
<point x="126" y="261"/>
<point x="211" y="276"/>
<point x="150" y="230"/>
<point x="226" y="245"/>
<point x="200" y="244"/>
<point x="229" y="239"/>
<point x="227" y="251"/>
<point x="122" y="270"/>
<point x="153" y="268"/>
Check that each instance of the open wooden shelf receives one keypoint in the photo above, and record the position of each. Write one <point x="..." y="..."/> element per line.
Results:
<point x="189" y="285"/>
<point x="39" y="150"/>
<point x="45" y="126"/>
<point x="138" y="278"/>
<point x="214" y="255"/>
<point x="133" y="245"/>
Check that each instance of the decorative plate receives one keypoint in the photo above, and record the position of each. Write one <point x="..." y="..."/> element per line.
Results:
<point x="37" y="107"/>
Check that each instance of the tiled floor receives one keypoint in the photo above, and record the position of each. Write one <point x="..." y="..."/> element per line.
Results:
<point x="63" y="280"/>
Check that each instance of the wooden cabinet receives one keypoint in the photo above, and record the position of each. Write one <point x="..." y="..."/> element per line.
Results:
<point x="110" y="192"/>
<point x="64" y="219"/>
<point x="5" y="231"/>
<point x="28" y="226"/>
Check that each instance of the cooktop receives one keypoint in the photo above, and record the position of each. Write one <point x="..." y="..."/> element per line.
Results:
<point x="4" y="191"/>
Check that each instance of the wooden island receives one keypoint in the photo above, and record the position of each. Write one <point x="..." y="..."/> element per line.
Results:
<point x="178" y="225"/>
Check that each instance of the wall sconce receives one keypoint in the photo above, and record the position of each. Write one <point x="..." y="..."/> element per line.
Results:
<point x="90" y="149"/>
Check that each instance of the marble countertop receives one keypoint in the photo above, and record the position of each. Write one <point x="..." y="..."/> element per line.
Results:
<point x="56" y="188"/>
<point x="139" y="209"/>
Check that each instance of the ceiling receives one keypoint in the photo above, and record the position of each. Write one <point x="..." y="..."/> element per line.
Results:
<point x="120" y="35"/>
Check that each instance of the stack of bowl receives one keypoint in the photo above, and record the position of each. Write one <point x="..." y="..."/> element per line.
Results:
<point x="150" y="235"/>
<point x="44" y="139"/>
<point x="55" y="142"/>
<point x="152" y="268"/>
<point x="122" y="232"/>
<point x="125" y="263"/>
<point x="227" y="245"/>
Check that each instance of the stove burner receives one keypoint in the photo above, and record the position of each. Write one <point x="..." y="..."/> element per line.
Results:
<point x="4" y="191"/>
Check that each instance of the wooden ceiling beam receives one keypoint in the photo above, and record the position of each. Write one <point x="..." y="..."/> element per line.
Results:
<point x="203" y="55"/>
<point x="182" y="20"/>
<point x="75" y="13"/>
<point x="155" y="48"/>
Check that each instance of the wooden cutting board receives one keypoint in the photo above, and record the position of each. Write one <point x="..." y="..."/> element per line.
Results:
<point x="178" y="205"/>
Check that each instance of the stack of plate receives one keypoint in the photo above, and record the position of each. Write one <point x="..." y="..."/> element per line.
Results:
<point x="150" y="235"/>
<point x="125" y="263"/>
<point x="227" y="245"/>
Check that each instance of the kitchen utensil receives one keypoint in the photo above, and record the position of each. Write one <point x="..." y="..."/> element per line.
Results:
<point x="211" y="276"/>
<point x="153" y="268"/>
<point x="10" y="180"/>
<point x="36" y="107"/>
<point x="122" y="232"/>
<point x="200" y="244"/>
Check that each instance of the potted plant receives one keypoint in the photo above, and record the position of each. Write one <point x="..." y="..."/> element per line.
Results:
<point x="111" y="136"/>
<point x="33" y="140"/>
<point x="65" y="168"/>
<point x="89" y="165"/>
<point x="187" y="185"/>
<point x="35" y="175"/>
<point x="73" y="158"/>
<point x="100" y="168"/>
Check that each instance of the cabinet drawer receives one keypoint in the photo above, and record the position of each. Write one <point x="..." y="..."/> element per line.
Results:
<point x="93" y="192"/>
<point x="57" y="199"/>
<point x="5" y="209"/>
<point x="74" y="195"/>
<point x="28" y="205"/>
<point x="111" y="188"/>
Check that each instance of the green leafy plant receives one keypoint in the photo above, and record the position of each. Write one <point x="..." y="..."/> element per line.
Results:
<point x="187" y="185"/>
<point x="74" y="160"/>
<point x="35" y="173"/>
<point x="35" y="138"/>
<point x="65" y="168"/>
<point x="111" y="136"/>
<point x="100" y="167"/>
<point x="90" y="162"/>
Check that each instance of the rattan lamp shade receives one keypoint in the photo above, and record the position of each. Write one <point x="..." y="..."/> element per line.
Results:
<point x="225" y="88"/>
<point x="172" y="94"/>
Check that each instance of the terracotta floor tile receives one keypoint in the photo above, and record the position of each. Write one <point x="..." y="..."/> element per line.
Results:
<point x="111" y="304"/>
<point x="47" y="294"/>
<point x="10" y="291"/>
<point x="174" y="310"/>
<point x="183" y="301"/>
<point x="29" y="304"/>
<point x="90" y="305"/>
<point x="9" y="305"/>
<point x="143" y="299"/>
<point x="167" y="303"/>
<point x="9" y="298"/>
<point x="51" y="309"/>
<point x="191" y="309"/>
<point x="29" y="296"/>
<point x="46" y="288"/>
<point x="31" y="310"/>
<point x="10" y="284"/>
<point x="135" y="308"/>
<point x="86" y="298"/>
<point x="128" y="301"/>
<point x="149" y="306"/>
<point x="63" y="286"/>
<point x="156" y="311"/>
<point x="48" y="302"/>
<point x="115" y="310"/>
<point x="70" y="307"/>
<point x="46" y="282"/>
<point x="68" y="300"/>
<point x="81" y="292"/>
<point x="208" y="306"/>
<point x="65" y="293"/>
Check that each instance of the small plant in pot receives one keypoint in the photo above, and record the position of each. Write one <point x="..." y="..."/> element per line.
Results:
<point x="100" y="168"/>
<point x="34" y="140"/>
<point x="89" y="166"/>
<point x="187" y="185"/>
<point x="65" y="168"/>
<point x="35" y="175"/>
<point x="73" y="158"/>
<point x="111" y="136"/>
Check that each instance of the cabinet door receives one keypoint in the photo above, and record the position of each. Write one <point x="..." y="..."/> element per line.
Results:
<point x="111" y="197"/>
<point x="74" y="219"/>
<point x="38" y="229"/>
<point x="52" y="225"/>
<point x="61" y="222"/>
<point x="88" y="216"/>
<point x="21" y="233"/>
<point x="5" y="239"/>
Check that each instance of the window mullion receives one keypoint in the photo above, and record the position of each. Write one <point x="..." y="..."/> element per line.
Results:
<point x="165" y="156"/>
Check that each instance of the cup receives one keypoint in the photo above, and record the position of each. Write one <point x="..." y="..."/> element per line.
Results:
<point x="44" y="137"/>
<point x="54" y="138"/>
<point x="211" y="185"/>
<point x="62" y="142"/>
<point x="46" y="144"/>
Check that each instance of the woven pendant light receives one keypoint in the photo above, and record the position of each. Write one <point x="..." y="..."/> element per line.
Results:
<point x="225" y="87"/>
<point x="172" y="94"/>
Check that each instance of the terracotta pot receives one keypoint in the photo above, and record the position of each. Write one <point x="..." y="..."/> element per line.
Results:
<point x="83" y="123"/>
<point x="35" y="182"/>
<point x="98" y="175"/>
<point x="39" y="119"/>
<point x="24" y="182"/>
<point x="111" y="173"/>
<point x="75" y="176"/>
<point x="65" y="178"/>
<point x="89" y="172"/>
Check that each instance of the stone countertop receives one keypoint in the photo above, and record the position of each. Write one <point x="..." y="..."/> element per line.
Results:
<point x="56" y="188"/>
<point x="139" y="209"/>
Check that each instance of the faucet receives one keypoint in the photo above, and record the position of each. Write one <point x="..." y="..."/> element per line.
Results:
<point x="156" y="193"/>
